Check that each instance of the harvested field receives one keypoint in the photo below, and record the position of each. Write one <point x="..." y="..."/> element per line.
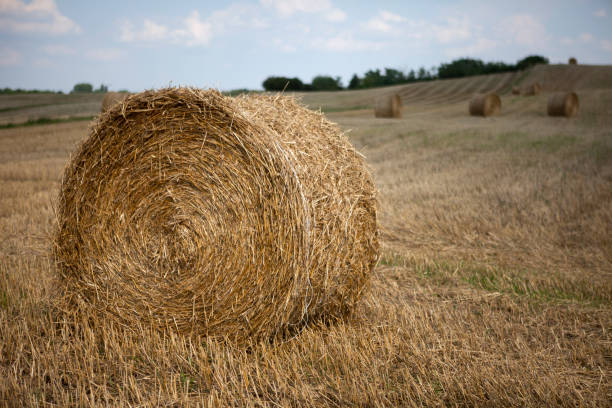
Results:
<point x="494" y="287"/>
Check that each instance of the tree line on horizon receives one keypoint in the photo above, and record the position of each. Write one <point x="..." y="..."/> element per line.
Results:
<point x="371" y="79"/>
<point x="458" y="68"/>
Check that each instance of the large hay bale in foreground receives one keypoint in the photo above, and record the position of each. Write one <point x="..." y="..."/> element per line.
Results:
<point x="532" y="89"/>
<point x="485" y="105"/>
<point x="111" y="98"/>
<point x="190" y="211"/>
<point x="572" y="61"/>
<point x="388" y="106"/>
<point x="563" y="104"/>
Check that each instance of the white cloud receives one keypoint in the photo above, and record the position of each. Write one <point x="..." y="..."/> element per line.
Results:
<point x="105" y="54"/>
<point x="453" y="30"/>
<point x="41" y="16"/>
<point x="586" y="37"/>
<point x="193" y="30"/>
<point x="288" y="7"/>
<point x="345" y="42"/>
<point x="606" y="45"/>
<point x="9" y="56"/>
<point x="394" y="18"/>
<point x="377" y="24"/>
<point x="58" y="49"/>
<point x="198" y="32"/>
<point x="236" y="15"/>
<point x="567" y="41"/>
<point x="283" y="46"/>
<point x="524" y="29"/>
<point x="600" y="13"/>
<point x="335" y="15"/>
<point x="384" y="22"/>
<point x="475" y="49"/>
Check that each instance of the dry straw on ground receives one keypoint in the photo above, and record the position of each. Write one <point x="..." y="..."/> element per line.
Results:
<point x="204" y="214"/>
<point x="388" y="106"/>
<point x="532" y="89"/>
<point x="485" y="105"/>
<point x="572" y="61"/>
<point x="563" y="104"/>
<point x="111" y="98"/>
<point x="516" y="90"/>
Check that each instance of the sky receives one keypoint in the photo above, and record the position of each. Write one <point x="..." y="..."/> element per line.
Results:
<point x="137" y="45"/>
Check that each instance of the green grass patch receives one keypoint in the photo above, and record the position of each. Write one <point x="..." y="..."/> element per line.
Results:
<point x="538" y="285"/>
<point x="600" y="152"/>
<point x="517" y="140"/>
<point x="46" y="121"/>
<point x="552" y="144"/>
<point x="15" y="108"/>
<point x="329" y="109"/>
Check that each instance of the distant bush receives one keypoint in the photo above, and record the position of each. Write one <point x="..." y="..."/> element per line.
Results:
<point x="326" y="83"/>
<point x="82" y="88"/>
<point x="462" y="67"/>
<point x="530" y="61"/>
<point x="102" y="89"/>
<point x="283" y="83"/>
<point x="9" y="91"/>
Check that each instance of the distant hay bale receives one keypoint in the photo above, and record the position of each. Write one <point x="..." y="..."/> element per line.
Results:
<point x="111" y="98"/>
<point x="563" y="104"/>
<point x="516" y="90"/>
<point x="532" y="89"/>
<point x="572" y="61"/>
<point x="388" y="106"/>
<point x="485" y="105"/>
<point x="190" y="211"/>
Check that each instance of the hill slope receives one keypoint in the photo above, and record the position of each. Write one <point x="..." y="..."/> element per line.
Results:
<point x="449" y="91"/>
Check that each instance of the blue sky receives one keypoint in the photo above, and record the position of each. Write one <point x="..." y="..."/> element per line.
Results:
<point x="136" y="45"/>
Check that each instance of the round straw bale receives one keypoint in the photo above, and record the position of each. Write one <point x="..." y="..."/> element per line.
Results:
<point x="572" y="61"/>
<point x="516" y="90"/>
<point x="111" y="98"/>
<point x="191" y="211"/>
<point x="532" y="89"/>
<point x="388" y="106"/>
<point x="485" y="105"/>
<point x="563" y="104"/>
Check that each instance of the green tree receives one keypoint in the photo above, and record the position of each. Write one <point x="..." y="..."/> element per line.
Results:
<point x="411" y="76"/>
<point x="461" y="68"/>
<point x="82" y="88"/>
<point x="283" y="83"/>
<point x="326" y="83"/>
<point x="530" y="61"/>
<point x="102" y="89"/>
<point x="394" y="77"/>
<point x="372" y="79"/>
<point x="355" y="82"/>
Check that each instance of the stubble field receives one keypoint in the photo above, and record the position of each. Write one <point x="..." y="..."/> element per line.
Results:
<point x="494" y="286"/>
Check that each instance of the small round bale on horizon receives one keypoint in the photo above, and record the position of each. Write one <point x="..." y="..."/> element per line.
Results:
<point x="485" y="105"/>
<point x="190" y="211"/>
